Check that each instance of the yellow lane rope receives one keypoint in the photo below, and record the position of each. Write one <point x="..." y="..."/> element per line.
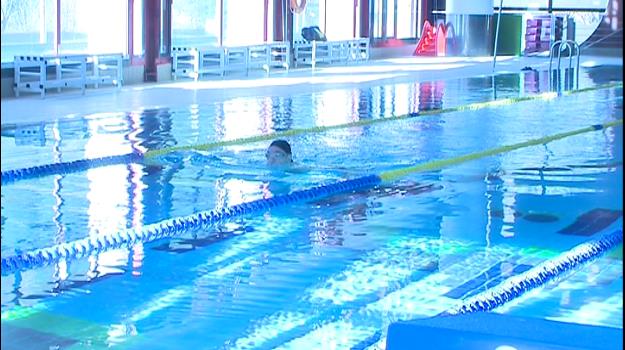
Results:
<point x="437" y="164"/>
<point x="319" y="129"/>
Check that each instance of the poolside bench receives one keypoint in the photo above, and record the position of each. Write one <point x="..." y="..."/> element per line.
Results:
<point x="39" y="73"/>
<point x="105" y="69"/>
<point x="236" y="59"/>
<point x="194" y="62"/>
<point x="359" y="49"/>
<point x="342" y="51"/>
<point x="268" y="56"/>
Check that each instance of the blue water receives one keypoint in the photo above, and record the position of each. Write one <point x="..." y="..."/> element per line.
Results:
<point x="331" y="272"/>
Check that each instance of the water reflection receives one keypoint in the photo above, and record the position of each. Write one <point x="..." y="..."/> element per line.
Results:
<point x="128" y="195"/>
<point x="564" y="79"/>
<point x="535" y="81"/>
<point x="431" y="95"/>
<point x="154" y="130"/>
<point x="157" y="190"/>
<point x="357" y="207"/>
<point x="282" y="114"/>
<point x="32" y="135"/>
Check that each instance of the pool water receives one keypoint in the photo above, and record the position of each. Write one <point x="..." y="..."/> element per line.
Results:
<point x="334" y="271"/>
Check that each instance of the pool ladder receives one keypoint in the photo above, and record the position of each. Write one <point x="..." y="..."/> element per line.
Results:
<point x="573" y="49"/>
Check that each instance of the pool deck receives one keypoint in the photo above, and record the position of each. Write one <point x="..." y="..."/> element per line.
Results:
<point x="70" y="103"/>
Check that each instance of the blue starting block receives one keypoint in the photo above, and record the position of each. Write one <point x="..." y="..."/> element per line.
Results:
<point x="493" y="331"/>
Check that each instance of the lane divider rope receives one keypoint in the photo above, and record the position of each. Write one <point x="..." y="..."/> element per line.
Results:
<point x="177" y="226"/>
<point x="83" y="164"/>
<point x="437" y="164"/>
<point x="67" y="167"/>
<point x="539" y="275"/>
<point x="171" y="227"/>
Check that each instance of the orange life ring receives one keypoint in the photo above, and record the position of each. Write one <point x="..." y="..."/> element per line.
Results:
<point x="298" y="8"/>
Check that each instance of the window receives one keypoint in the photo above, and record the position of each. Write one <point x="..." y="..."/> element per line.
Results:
<point x="137" y="25"/>
<point x="196" y="23"/>
<point x="379" y="19"/>
<point x="391" y="15"/>
<point x="243" y="22"/>
<point x="88" y="27"/>
<point x="29" y="27"/>
<point x="584" y="15"/>
<point x="576" y="4"/>
<point x="406" y="19"/>
<point x="394" y="19"/>
<point x="340" y="20"/>
<point x="202" y="23"/>
<point x="312" y="15"/>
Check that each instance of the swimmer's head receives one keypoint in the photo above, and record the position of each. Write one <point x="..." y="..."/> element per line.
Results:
<point x="279" y="153"/>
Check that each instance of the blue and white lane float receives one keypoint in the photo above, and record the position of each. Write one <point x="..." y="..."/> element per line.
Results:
<point x="177" y="226"/>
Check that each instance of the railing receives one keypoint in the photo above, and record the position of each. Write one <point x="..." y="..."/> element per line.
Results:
<point x="496" y="39"/>
<point x="573" y="49"/>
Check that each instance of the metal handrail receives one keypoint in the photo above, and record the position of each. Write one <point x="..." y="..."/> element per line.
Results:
<point x="495" y="51"/>
<point x="573" y="49"/>
<point x="497" y="36"/>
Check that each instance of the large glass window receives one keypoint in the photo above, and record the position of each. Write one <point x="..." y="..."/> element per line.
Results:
<point x="340" y="19"/>
<point x="576" y="4"/>
<point x="243" y="22"/>
<point x="379" y="19"/>
<point x="391" y="15"/>
<point x="526" y="4"/>
<point x="337" y="19"/>
<point x="137" y="24"/>
<point x="312" y="15"/>
<point x="395" y="19"/>
<point x="29" y="27"/>
<point x="196" y="23"/>
<point x="585" y="16"/>
<point x="555" y="4"/>
<point x="406" y="19"/>
<point x="88" y="27"/>
<point x="204" y="23"/>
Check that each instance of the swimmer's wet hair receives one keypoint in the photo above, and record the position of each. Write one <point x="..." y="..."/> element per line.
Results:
<point x="283" y="145"/>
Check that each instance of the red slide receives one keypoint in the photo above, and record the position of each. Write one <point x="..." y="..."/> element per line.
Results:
<point x="433" y="41"/>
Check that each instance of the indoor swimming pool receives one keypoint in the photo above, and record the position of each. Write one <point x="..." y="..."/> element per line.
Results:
<point x="329" y="270"/>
